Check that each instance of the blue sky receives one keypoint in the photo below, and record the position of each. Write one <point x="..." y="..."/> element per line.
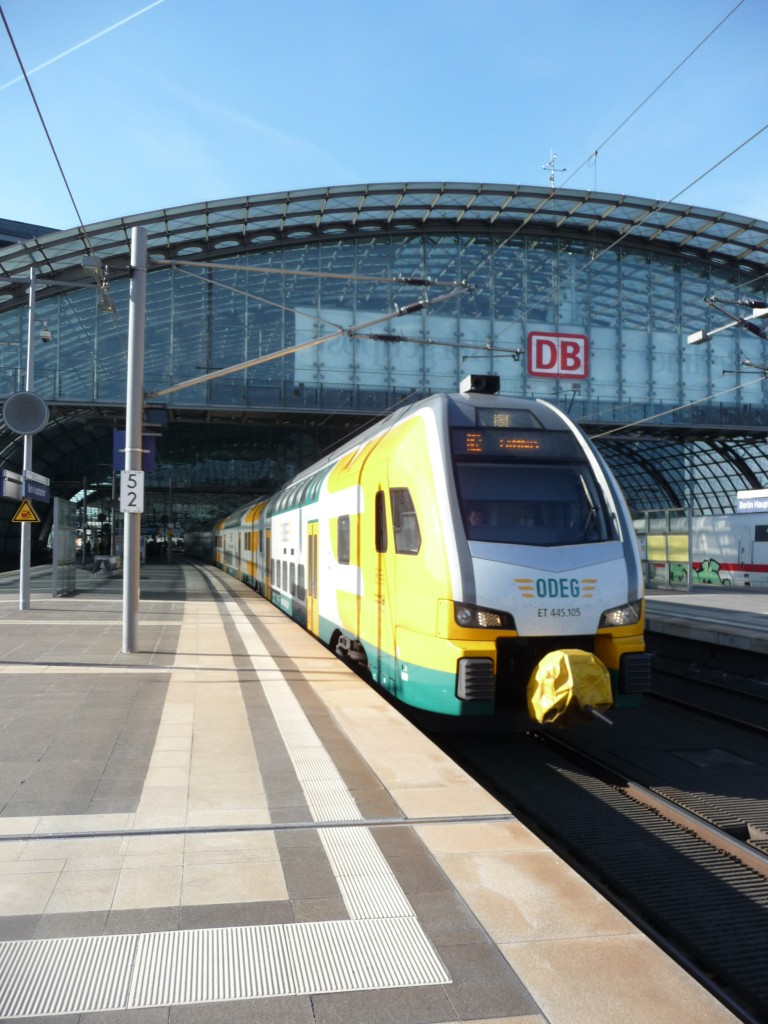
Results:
<point x="157" y="104"/>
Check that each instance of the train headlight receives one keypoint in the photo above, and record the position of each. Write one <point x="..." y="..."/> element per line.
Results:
<point x="469" y="616"/>
<point x="624" y="615"/>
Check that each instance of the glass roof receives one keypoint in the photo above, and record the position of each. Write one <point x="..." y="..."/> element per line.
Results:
<point x="249" y="222"/>
<point x="655" y="470"/>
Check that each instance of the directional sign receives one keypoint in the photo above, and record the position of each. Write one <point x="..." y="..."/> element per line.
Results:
<point x="25" y="514"/>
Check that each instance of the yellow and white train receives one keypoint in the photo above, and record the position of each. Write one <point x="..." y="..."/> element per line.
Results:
<point x="449" y="548"/>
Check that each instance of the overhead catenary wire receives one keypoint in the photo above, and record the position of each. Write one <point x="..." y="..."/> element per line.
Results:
<point x="678" y="408"/>
<point x="88" y="245"/>
<point x="548" y="198"/>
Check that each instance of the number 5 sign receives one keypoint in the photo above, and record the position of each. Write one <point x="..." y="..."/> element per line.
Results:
<point x="131" y="490"/>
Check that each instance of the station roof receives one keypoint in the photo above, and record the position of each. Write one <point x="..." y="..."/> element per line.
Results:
<point x="224" y="227"/>
<point x="648" y="462"/>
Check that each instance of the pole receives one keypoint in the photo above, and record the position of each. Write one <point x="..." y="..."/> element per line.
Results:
<point x="133" y="433"/>
<point x="25" y="556"/>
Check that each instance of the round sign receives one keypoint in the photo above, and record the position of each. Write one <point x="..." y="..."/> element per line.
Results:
<point x="25" y="412"/>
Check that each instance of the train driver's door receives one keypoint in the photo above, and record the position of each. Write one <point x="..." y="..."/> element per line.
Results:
<point x="313" y="617"/>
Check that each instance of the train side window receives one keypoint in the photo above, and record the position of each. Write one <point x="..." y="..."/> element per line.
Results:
<point x="292" y="585"/>
<point x="381" y="522"/>
<point x="405" y="524"/>
<point x="342" y="538"/>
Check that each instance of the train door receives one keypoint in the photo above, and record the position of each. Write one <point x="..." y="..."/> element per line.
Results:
<point x="384" y="669"/>
<point x="268" y="563"/>
<point x="313" y="618"/>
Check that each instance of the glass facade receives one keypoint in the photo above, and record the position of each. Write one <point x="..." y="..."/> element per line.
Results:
<point x="632" y="309"/>
<point x="582" y="299"/>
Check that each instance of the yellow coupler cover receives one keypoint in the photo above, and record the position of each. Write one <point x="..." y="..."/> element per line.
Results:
<point x="564" y="683"/>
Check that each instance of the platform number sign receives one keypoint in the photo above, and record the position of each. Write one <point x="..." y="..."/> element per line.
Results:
<point x="131" y="490"/>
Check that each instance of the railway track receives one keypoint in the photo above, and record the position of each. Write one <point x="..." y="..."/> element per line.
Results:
<point x="691" y="883"/>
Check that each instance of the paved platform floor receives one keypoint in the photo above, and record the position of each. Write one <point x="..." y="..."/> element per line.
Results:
<point x="228" y="825"/>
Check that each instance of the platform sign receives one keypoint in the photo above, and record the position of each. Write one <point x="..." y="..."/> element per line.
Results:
<point x="131" y="491"/>
<point x="37" y="487"/>
<point x="752" y="501"/>
<point x="11" y="485"/>
<point x="25" y="514"/>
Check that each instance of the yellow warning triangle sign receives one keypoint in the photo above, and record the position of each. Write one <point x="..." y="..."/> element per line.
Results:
<point x="25" y="514"/>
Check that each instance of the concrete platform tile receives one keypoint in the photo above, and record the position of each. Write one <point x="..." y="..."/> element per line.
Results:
<point x="158" y="798"/>
<point x="445" y="801"/>
<point x="232" y="883"/>
<point x="31" y="867"/>
<point x="170" y="759"/>
<point x="68" y="823"/>
<point x="479" y="837"/>
<point x="19" y="826"/>
<point x="238" y="795"/>
<point x="73" y="850"/>
<point x="259" y="844"/>
<point x="217" y="817"/>
<point x="11" y="850"/>
<point x="164" y="845"/>
<point x="26" y="893"/>
<point x="601" y="980"/>
<point x="530" y="896"/>
<point x="148" y="887"/>
<point x="165" y="741"/>
<point x="82" y="891"/>
<point x="166" y="776"/>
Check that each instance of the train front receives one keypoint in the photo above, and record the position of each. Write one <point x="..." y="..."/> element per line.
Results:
<point x="551" y="581"/>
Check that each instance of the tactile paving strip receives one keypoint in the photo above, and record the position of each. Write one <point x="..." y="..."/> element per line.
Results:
<point x="41" y="978"/>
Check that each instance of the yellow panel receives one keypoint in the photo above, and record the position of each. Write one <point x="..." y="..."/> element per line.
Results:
<point x="678" y="547"/>
<point x="657" y="547"/>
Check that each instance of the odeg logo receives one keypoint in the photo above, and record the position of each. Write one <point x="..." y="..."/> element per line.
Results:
<point x="557" y="588"/>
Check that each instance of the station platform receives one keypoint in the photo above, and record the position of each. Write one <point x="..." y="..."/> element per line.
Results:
<point x="229" y="825"/>
<point x="734" y="617"/>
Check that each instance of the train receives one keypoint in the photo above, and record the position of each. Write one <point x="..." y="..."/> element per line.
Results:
<point x="725" y="550"/>
<point x="450" y="547"/>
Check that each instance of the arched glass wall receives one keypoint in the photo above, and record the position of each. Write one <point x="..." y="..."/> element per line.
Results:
<point x="629" y="310"/>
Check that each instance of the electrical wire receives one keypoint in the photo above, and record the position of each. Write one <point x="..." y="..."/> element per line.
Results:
<point x="88" y="245"/>
<point x="678" y="408"/>
<point x="554" y="192"/>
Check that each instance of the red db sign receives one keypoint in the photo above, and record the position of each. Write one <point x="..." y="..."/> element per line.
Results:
<point x="558" y="355"/>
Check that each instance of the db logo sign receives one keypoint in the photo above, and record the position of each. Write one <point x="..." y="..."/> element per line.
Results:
<point x="558" y="355"/>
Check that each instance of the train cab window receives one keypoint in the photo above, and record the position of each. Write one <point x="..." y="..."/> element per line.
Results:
<point x="381" y="522"/>
<point x="544" y="505"/>
<point x="405" y="524"/>
<point x="342" y="539"/>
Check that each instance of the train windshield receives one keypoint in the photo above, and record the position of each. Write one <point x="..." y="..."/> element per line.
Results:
<point x="521" y="503"/>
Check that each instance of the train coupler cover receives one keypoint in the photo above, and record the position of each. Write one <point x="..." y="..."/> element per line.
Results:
<point x="568" y="687"/>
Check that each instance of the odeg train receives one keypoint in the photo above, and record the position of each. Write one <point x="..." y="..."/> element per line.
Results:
<point x="449" y="548"/>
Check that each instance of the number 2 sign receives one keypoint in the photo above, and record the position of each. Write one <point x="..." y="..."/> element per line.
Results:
<point x="131" y="490"/>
